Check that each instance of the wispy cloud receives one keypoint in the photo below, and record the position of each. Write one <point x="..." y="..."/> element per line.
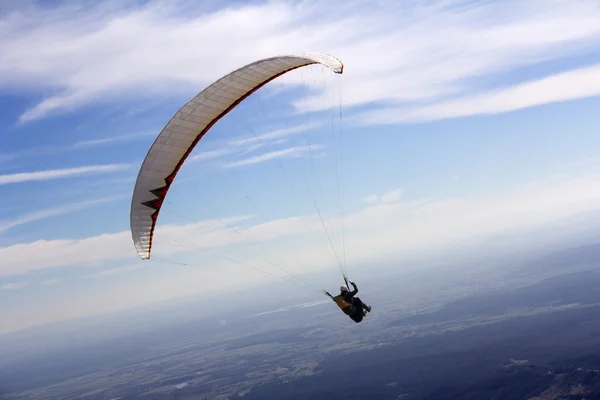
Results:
<point x="60" y="173"/>
<point x="373" y="198"/>
<point x="292" y="152"/>
<point x="407" y="53"/>
<point x="389" y="197"/>
<point x="115" y="271"/>
<point x="6" y="157"/>
<point x="13" y="286"/>
<point x="587" y="162"/>
<point x="111" y="139"/>
<point x="54" y="212"/>
<point x="277" y="134"/>
<point x="34" y="151"/>
<point x="392" y="196"/>
<point x="571" y="85"/>
<point x="84" y="144"/>
<point x="213" y="154"/>
<point x="241" y="146"/>
<point x="51" y="282"/>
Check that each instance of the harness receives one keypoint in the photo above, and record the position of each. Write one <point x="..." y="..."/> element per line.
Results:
<point x="343" y="304"/>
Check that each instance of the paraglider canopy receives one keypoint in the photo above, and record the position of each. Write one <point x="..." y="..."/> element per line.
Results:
<point x="183" y="132"/>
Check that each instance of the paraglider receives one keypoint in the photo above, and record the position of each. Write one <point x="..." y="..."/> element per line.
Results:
<point x="187" y="127"/>
<point x="190" y="124"/>
<point x="351" y="305"/>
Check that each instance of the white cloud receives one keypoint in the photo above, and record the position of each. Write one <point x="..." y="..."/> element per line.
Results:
<point x="379" y="230"/>
<point x="572" y="85"/>
<point x="588" y="162"/>
<point x="77" y="146"/>
<point x="244" y="145"/>
<point x="92" y="251"/>
<point x="111" y="139"/>
<point x="115" y="271"/>
<point x="212" y="154"/>
<point x="389" y="197"/>
<point x="60" y="173"/>
<point x="45" y="254"/>
<point x="36" y="151"/>
<point x="372" y="199"/>
<point x="53" y="212"/>
<point x="292" y="152"/>
<point x="394" y="52"/>
<point x="392" y="196"/>
<point x="6" y="157"/>
<point x="51" y="282"/>
<point x="13" y="286"/>
<point x="277" y="134"/>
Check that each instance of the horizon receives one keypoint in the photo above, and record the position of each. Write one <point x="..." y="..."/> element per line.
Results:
<point x="572" y="235"/>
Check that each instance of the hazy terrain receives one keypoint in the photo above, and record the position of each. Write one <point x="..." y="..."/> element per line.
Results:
<point x="521" y="326"/>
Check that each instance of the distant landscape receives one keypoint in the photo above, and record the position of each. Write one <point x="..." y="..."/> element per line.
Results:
<point x="527" y="330"/>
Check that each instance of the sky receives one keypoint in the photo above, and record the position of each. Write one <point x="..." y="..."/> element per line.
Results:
<point x="452" y="121"/>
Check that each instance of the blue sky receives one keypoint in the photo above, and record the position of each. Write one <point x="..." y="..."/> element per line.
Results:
<point x="460" y="119"/>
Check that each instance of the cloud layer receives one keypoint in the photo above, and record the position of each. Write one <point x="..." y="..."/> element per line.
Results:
<point x="389" y="227"/>
<point x="52" y="174"/>
<point x="436" y="55"/>
<point x="13" y="286"/>
<point x="222" y="260"/>
<point x="54" y="212"/>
